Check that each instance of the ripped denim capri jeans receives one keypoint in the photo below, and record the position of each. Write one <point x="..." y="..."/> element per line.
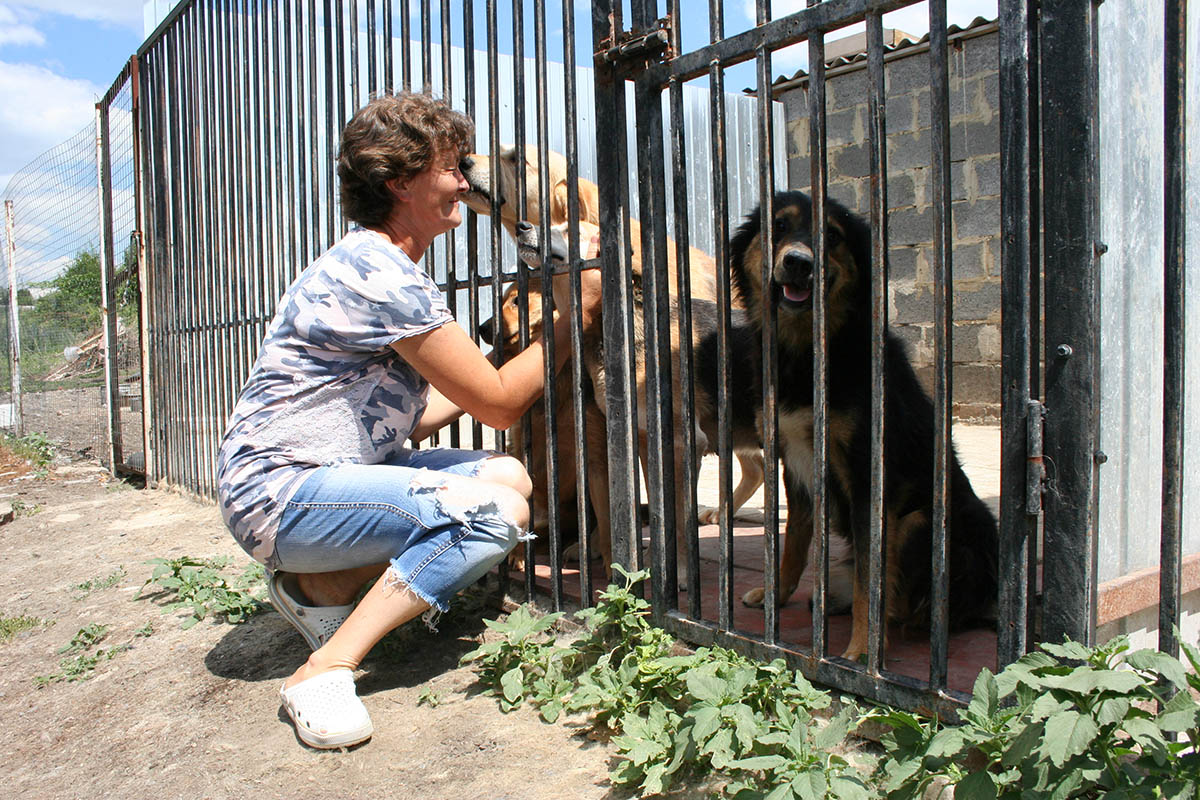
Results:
<point x="353" y="515"/>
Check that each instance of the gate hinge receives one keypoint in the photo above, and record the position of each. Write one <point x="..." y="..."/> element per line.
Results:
<point x="1035" y="468"/>
<point x="651" y="44"/>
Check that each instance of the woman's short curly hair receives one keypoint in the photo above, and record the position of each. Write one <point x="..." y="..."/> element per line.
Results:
<point x="394" y="136"/>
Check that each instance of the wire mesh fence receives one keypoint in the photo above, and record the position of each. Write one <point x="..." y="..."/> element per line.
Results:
<point x="52" y="374"/>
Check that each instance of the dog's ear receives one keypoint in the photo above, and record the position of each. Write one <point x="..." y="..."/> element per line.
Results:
<point x="589" y="202"/>
<point x="559" y="203"/>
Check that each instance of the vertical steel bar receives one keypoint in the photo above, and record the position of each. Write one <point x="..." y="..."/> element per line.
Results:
<point x="138" y="123"/>
<point x="770" y="360"/>
<point x="449" y="240"/>
<point x="207" y="256"/>
<point x="332" y="124"/>
<point x="1018" y="529"/>
<point x="720" y="194"/>
<point x="472" y="218"/>
<point x="14" y="321"/>
<point x="686" y="384"/>
<point x="550" y="396"/>
<point x="355" y="99"/>
<point x="620" y="396"/>
<point x="389" y="76"/>
<point x="1071" y="272"/>
<point x="224" y="333"/>
<point x="426" y="49"/>
<point x="660" y="480"/>
<point x="405" y="47"/>
<point x="107" y="302"/>
<point x="577" y="374"/>
<point x="943" y="315"/>
<point x="520" y="206"/>
<point x="1174" y="321"/>
<point x="818" y="159"/>
<point x="372" y="63"/>
<point x="877" y="141"/>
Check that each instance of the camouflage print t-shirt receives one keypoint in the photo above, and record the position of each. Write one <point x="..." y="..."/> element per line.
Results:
<point x="326" y="387"/>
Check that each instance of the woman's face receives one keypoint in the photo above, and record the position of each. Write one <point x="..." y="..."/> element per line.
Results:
<point x="433" y="195"/>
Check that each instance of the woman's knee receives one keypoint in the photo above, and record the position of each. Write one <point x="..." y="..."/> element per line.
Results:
<point x="507" y="471"/>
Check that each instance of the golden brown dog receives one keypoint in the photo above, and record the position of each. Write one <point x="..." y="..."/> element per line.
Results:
<point x="746" y="439"/>
<point x="477" y="169"/>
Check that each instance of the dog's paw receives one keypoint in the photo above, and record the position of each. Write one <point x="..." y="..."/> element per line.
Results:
<point x="754" y="597"/>
<point x="708" y="516"/>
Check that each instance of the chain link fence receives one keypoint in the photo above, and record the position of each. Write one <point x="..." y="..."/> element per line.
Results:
<point x="52" y="371"/>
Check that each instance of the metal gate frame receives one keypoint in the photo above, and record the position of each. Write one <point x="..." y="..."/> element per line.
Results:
<point x="122" y="457"/>
<point x="1050" y="259"/>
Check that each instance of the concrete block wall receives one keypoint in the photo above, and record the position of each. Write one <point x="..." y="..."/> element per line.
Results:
<point x="975" y="193"/>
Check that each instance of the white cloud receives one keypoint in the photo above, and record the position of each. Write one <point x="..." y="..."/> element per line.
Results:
<point x="14" y="30"/>
<point x="125" y="13"/>
<point x="40" y="109"/>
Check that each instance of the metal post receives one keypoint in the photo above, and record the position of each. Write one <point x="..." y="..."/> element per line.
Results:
<point x="1174" y="321"/>
<point x="14" y="322"/>
<point x="107" y="308"/>
<point x="1072" y="338"/>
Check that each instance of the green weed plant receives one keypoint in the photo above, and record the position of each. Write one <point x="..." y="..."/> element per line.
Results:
<point x="674" y="719"/>
<point x="11" y="626"/>
<point x="97" y="583"/>
<point x="82" y="656"/>
<point x="1066" y="721"/>
<point x="201" y="588"/>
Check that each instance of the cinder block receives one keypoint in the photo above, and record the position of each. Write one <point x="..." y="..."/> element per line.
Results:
<point x="977" y="220"/>
<point x="974" y="138"/>
<point x="852" y="161"/>
<point x="909" y="226"/>
<point x="908" y="151"/>
<point x="968" y="260"/>
<point x="977" y="303"/>
<point x="902" y="263"/>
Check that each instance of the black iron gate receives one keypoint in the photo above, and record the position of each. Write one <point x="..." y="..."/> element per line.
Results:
<point x="1050" y="256"/>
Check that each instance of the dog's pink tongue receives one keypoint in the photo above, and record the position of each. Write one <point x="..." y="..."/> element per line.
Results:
<point x="794" y="294"/>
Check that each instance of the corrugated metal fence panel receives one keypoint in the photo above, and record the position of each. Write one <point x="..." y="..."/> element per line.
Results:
<point x="1131" y="203"/>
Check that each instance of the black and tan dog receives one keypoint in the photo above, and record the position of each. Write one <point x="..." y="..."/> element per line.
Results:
<point x="908" y="425"/>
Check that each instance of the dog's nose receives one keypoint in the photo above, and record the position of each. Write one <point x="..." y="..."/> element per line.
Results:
<point x="524" y="227"/>
<point x="798" y="263"/>
<point x="485" y="330"/>
<point x="465" y="164"/>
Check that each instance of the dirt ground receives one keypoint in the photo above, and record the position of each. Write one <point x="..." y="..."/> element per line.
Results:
<point x="195" y="713"/>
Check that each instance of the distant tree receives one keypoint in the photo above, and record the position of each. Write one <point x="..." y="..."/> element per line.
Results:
<point x="73" y="304"/>
<point x="24" y="297"/>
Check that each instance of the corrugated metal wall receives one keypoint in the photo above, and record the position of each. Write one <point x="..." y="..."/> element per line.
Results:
<point x="1131" y="203"/>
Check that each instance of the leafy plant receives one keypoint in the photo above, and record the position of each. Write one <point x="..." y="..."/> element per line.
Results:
<point x="36" y="448"/>
<point x="22" y="509"/>
<point x="200" y="587"/>
<point x="11" y="626"/>
<point x="80" y="662"/>
<point x="97" y="583"/>
<point x="1068" y="721"/>
<point x="712" y="712"/>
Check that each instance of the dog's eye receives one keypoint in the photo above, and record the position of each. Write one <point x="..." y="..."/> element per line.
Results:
<point x="778" y="229"/>
<point x="833" y="237"/>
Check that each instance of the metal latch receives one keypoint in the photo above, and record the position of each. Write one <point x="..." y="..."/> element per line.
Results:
<point x="1035" y="467"/>
<point x="648" y="44"/>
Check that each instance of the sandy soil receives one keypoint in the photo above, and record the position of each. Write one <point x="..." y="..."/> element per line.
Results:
<point x="195" y="713"/>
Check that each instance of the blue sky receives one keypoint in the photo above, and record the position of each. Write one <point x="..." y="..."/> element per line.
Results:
<point x="58" y="56"/>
